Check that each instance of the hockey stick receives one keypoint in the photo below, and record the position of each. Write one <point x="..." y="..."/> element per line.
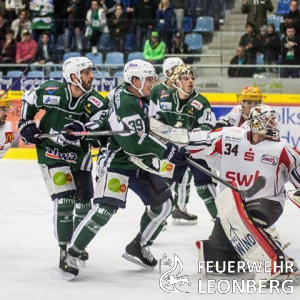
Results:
<point x="256" y="187"/>
<point x="14" y="83"/>
<point x="295" y="200"/>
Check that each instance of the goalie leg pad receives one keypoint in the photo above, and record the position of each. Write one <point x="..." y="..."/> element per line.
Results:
<point x="252" y="243"/>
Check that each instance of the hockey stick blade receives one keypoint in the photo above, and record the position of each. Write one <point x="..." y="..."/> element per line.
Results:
<point x="257" y="186"/>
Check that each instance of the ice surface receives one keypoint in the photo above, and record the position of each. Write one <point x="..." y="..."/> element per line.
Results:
<point x="29" y="253"/>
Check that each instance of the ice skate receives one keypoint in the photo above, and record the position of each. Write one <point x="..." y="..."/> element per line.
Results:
<point x="84" y="256"/>
<point x="182" y="217"/>
<point x="68" y="266"/>
<point x="140" y="255"/>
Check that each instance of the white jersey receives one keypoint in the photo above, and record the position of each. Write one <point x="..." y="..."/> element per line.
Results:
<point x="230" y="151"/>
<point x="235" y="116"/>
<point x="6" y="138"/>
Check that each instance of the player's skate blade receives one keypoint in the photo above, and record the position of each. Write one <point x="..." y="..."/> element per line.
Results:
<point x="84" y="256"/>
<point x="69" y="269"/>
<point x="181" y="217"/>
<point x="137" y="261"/>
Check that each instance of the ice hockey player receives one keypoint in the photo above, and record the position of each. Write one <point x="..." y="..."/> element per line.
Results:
<point x="241" y="156"/>
<point x="6" y="134"/>
<point x="250" y="97"/>
<point x="65" y="160"/>
<point x="184" y="107"/>
<point x="129" y="104"/>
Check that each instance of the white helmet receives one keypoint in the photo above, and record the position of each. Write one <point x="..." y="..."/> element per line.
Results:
<point x="264" y="120"/>
<point x="140" y="69"/>
<point x="169" y="64"/>
<point x="74" y="65"/>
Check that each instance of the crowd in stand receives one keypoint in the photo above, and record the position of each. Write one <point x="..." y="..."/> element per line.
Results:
<point x="262" y="40"/>
<point x="30" y="29"/>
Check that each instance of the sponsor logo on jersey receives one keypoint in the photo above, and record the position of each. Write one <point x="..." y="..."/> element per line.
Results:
<point x="86" y="108"/>
<point x="60" y="178"/>
<point x="196" y="104"/>
<point x="241" y="179"/>
<point x="166" y="105"/>
<point x="51" y="100"/>
<point x="51" y="89"/>
<point x="163" y="97"/>
<point x="139" y="102"/>
<point x="96" y="101"/>
<point x="9" y="137"/>
<point x="114" y="185"/>
<point x="270" y="160"/>
<point x="69" y="157"/>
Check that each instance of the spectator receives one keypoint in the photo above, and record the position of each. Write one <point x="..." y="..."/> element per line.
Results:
<point x="75" y="13"/>
<point x="46" y="52"/>
<point x="165" y="18"/>
<point x="240" y="59"/>
<point x="26" y="49"/>
<point x="180" y="47"/>
<point x="290" y="51"/>
<point x="42" y="17"/>
<point x="178" y="6"/>
<point x="8" y="48"/>
<point x="154" y="49"/>
<point x="257" y="12"/>
<point x="249" y="42"/>
<point x="118" y="26"/>
<point x="213" y="9"/>
<point x="292" y="18"/>
<point x="97" y="24"/>
<point x="260" y="39"/>
<point x="13" y="8"/>
<point x="190" y="9"/>
<point x="272" y="49"/>
<point x="20" y="24"/>
<point x="3" y="28"/>
<point x="144" y="20"/>
<point x="110" y="7"/>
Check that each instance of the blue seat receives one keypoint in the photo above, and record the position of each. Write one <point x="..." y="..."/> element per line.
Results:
<point x="104" y="42"/>
<point x="71" y="54"/>
<point x="130" y="42"/>
<point x="102" y="74"/>
<point x="194" y="41"/>
<point x="118" y="74"/>
<point x="260" y="59"/>
<point x="60" y="43"/>
<point x="204" y="24"/>
<point x="95" y="58"/>
<point x="56" y="74"/>
<point x="283" y="8"/>
<point x="38" y="74"/>
<point x="135" y="55"/>
<point x="187" y="24"/>
<point x="114" y="58"/>
<point x="14" y="73"/>
<point x="276" y="20"/>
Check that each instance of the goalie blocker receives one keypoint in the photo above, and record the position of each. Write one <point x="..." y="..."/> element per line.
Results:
<point x="239" y="234"/>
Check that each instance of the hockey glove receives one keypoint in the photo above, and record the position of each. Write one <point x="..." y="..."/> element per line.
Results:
<point x="222" y="123"/>
<point x="175" y="155"/>
<point x="28" y="130"/>
<point x="73" y="127"/>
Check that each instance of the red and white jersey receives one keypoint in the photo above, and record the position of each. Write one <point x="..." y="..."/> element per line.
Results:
<point x="6" y="138"/>
<point x="230" y="151"/>
<point x="235" y="117"/>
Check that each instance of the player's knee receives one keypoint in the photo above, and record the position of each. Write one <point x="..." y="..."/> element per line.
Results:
<point x="206" y="192"/>
<point x="163" y="210"/>
<point x="64" y="205"/>
<point x="82" y="209"/>
<point x="103" y="213"/>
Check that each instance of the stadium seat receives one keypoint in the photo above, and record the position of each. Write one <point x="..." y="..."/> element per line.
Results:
<point x="260" y="59"/>
<point x="187" y="25"/>
<point x="283" y="8"/>
<point x="71" y="54"/>
<point x="104" y="42"/>
<point x="194" y="41"/>
<point x="114" y="58"/>
<point x="130" y="42"/>
<point x="102" y="74"/>
<point x="95" y="58"/>
<point x="35" y="74"/>
<point x="14" y="73"/>
<point x="276" y="20"/>
<point x="56" y="74"/>
<point x="204" y="24"/>
<point x="135" y="55"/>
<point x="118" y="74"/>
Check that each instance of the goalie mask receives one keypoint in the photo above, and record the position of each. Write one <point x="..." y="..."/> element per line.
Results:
<point x="169" y="64"/>
<point x="140" y="69"/>
<point x="181" y="72"/>
<point x="75" y="65"/>
<point x="264" y="120"/>
<point x="250" y="97"/>
<point x="5" y="102"/>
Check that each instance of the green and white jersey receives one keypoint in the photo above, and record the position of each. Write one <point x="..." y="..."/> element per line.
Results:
<point x="192" y="113"/>
<point x="60" y="108"/>
<point x="132" y="111"/>
<point x="154" y="97"/>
